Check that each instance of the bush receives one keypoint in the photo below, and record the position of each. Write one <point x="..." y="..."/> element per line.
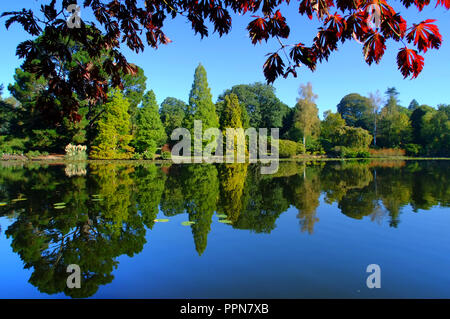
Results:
<point x="9" y="145"/>
<point x="387" y="152"/>
<point x="32" y="154"/>
<point x="166" y="155"/>
<point x="413" y="149"/>
<point x="287" y="148"/>
<point x="349" y="152"/>
<point x="148" y="155"/>
<point x="137" y="156"/>
<point x="300" y="148"/>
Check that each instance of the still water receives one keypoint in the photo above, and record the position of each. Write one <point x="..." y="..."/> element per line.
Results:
<point x="226" y="231"/>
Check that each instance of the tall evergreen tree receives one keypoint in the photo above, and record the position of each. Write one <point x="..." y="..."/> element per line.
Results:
<point x="201" y="106"/>
<point x="114" y="130"/>
<point x="149" y="128"/>
<point x="232" y="116"/>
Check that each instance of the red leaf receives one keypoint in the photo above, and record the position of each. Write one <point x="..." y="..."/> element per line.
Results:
<point x="273" y="67"/>
<point x="374" y="48"/>
<point x="409" y="62"/>
<point x="425" y="35"/>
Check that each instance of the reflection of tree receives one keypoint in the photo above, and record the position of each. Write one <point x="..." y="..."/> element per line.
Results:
<point x="92" y="231"/>
<point x="150" y="181"/>
<point x="232" y="179"/>
<point x="305" y="192"/>
<point x="201" y="192"/>
<point x="263" y="201"/>
<point x="88" y="233"/>
<point x="172" y="200"/>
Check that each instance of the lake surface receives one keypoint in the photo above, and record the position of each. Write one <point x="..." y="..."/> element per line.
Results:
<point x="308" y="231"/>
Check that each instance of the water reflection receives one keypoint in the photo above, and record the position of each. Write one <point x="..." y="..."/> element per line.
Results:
<point x="109" y="208"/>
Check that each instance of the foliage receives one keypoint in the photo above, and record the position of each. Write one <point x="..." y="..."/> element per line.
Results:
<point x="112" y="141"/>
<point x="300" y="149"/>
<point x="149" y="125"/>
<point x="166" y="155"/>
<point x="413" y="149"/>
<point x="150" y="152"/>
<point x="387" y="152"/>
<point x="287" y="148"/>
<point x="355" y="110"/>
<point x="76" y="152"/>
<point x="172" y="114"/>
<point x="306" y="119"/>
<point x="200" y="105"/>
<point x="113" y="26"/>
<point x="260" y="107"/>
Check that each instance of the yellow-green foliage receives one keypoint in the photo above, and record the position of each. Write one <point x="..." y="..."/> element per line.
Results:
<point x="287" y="148"/>
<point x="114" y="129"/>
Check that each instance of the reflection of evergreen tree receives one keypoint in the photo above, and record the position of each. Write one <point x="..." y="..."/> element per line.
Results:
<point x="201" y="189"/>
<point x="172" y="200"/>
<point x="232" y="179"/>
<point x="263" y="199"/>
<point x="150" y="185"/>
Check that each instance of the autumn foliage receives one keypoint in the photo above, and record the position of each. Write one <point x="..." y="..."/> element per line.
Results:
<point x="134" y="23"/>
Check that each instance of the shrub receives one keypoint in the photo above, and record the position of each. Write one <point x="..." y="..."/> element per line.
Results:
<point x="166" y="155"/>
<point x="300" y="148"/>
<point x="9" y="145"/>
<point x="32" y="154"/>
<point x="349" y="152"/>
<point x="287" y="148"/>
<point x="137" y="156"/>
<point x="387" y="152"/>
<point x="148" y="155"/>
<point x="413" y="149"/>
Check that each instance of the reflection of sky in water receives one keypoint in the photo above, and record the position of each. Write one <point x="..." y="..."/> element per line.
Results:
<point x="285" y="263"/>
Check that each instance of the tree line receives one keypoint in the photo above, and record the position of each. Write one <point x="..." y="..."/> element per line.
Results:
<point x="131" y="125"/>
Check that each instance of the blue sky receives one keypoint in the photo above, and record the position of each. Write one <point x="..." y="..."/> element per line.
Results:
<point x="232" y="60"/>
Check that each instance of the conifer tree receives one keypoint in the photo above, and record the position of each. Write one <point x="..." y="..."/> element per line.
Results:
<point x="114" y="130"/>
<point x="232" y="112"/>
<point x="201" y="106"/>
<point x="149" y="126"/>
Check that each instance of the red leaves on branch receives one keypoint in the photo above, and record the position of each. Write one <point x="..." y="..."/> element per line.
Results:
<point x="134" y="23"/>
<point x="273" y="67"/>
<point x="410" y="62"/>
<point x="425" y="35"/>
<point x="374" y="48"/>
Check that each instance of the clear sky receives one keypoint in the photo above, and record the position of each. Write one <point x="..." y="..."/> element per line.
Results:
<point x="233" y="60"/>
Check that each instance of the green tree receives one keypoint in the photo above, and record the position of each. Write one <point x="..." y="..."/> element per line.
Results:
<point x="201" y="106"/>
<point x="172" y="113"/>
<point x="413" y="105"/>
<point x="231" y="112"/>
<point x="395" y="126"/>
<point x="306" y="119"/>
<point x="260" y="107"/>
<point x="148" y="124"/>
<point x="331" y="129"/>
<point x="114" y="130"/>
<point x="134" y="86"/>
<point x="356" y="110"/>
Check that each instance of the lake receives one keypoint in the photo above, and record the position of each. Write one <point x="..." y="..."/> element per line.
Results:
<point x="140" y="230"/>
